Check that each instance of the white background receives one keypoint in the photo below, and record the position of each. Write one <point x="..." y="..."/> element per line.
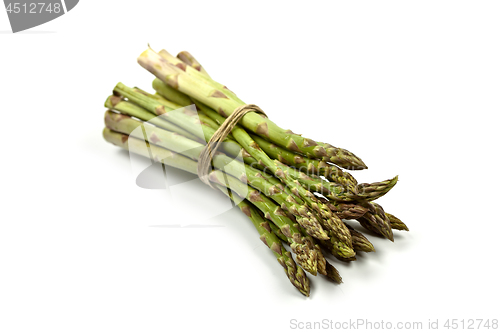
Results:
<point x="411" y="87"/>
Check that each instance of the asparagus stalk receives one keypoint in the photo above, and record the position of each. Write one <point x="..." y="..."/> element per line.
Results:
<point x="360" y="242"/>
<point x="207" y="121"/>
<point x="372" y="191"/>
<point x="396" y="223"/>
<point x="225" y="105"/>
<point x="294" y="273"/>
<point x="337" y="245"/>
<point x="310" y="166"/>
<point x="302" y="246"/>
<point x="191" y="61"/>
<point x="145" y="149"/>
<point x="346" y="211"/>
<point x="117" y="103"/>
<point x="330" y="221"/>
<point x="332" y="273"/>
<point x="338" y="155"/>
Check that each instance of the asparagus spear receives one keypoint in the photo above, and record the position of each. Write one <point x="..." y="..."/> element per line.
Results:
<point x="329" y="270"/>
<point x="145" y="149"/>
<point x="225" y="105"/>
<point x="117" y="103"/>
<point x="345" y="210"/>
<point x="294" y="273"/>
<point x="170" y="93"/>
<point x="330" y="221"/>
<point x="302" y="246"/>
<point x="269" y="148"/>
<point x="360" y="242"/>
<point x="396" y="223"/>
<point x="174" y="106"/>
<point x="195" y="73"/>
<point x="334" y="226"/>
<point x="310" y="166"/>
<point x="337" y="245"/>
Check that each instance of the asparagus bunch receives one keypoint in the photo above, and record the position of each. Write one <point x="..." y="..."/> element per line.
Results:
<point x="294" y="188"/>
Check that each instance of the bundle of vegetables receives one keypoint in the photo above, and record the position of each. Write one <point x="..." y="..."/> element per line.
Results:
<point x="292" y="188"/>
